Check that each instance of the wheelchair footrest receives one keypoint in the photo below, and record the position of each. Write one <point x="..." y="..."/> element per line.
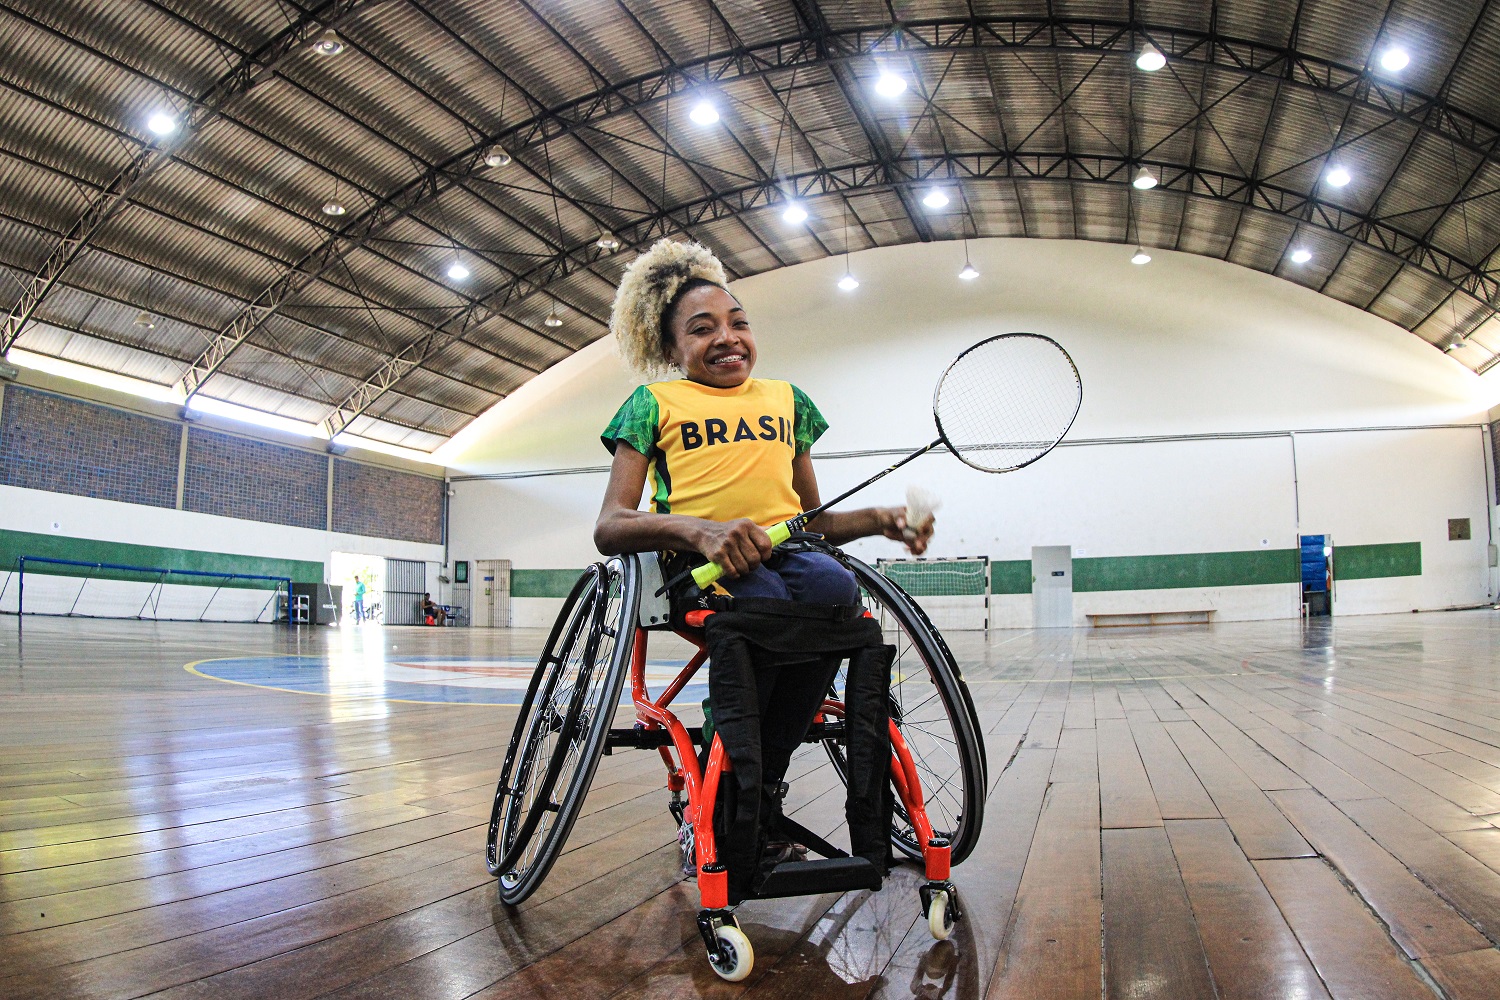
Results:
<point x="809" y="878"/>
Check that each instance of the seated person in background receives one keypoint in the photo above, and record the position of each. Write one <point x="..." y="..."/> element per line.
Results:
<point x="432" y="613"/>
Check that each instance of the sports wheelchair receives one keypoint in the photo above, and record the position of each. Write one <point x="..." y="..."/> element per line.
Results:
<point x="563" y="727"/>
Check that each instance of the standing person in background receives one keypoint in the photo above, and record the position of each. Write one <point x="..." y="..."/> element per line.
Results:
<point x="359" y="599"/>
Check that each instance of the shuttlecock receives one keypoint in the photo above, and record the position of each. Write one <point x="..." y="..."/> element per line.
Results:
<point x="920" y="503"/>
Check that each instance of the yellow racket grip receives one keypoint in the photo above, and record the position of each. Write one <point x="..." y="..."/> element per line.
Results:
<point x="706" y="574"/>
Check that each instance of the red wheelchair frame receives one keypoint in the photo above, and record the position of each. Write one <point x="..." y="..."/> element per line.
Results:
<point x="702" y="788"/>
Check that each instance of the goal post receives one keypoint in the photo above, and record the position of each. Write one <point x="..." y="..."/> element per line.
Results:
<point x="79" y="589"/>
<point x="955" y="592"/>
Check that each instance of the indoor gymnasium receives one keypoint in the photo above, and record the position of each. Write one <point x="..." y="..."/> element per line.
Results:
<point x="769" y="498"/>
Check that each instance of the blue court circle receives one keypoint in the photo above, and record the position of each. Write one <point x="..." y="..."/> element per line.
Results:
<point x="454" y="680"/>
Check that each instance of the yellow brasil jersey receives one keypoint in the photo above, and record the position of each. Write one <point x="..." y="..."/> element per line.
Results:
<point x="716" y="453"/>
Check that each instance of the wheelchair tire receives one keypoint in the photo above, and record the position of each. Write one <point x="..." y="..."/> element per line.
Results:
<point x="561" y="727"/>
<point x="936" y="715"/>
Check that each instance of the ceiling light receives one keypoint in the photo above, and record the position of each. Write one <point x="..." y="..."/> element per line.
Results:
<point x="329" y="45"/>
<point x="608" y="242"/>
<point x="794" y="213"/>
<point x="1141" y="256"/>
<point x="1150" y="58"/>
<point x="936" y="198"/>
<point x="553" y="319"/>
<point x="334" y="208"/>
<point x="1455" y="345"/>
<point x="704" y="112"/>
<point x="1395" y="59"/>
<point x="889" y="84"/>
<point x="969" y="273"/>
<point x="1301" y="256"/>
<point x="496" y="157"/>
<point x="144" y="320"/>
<point x="458" y="272"/>
<point x="848" y="282"/>
<point x="1145" y="180"/>
<point x="1337" y="176"/>
<point x="162" y="123"/>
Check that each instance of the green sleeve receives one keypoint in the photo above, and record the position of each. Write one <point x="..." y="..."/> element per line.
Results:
<point x="635" y="423"/>
<point x="807" y="423"/>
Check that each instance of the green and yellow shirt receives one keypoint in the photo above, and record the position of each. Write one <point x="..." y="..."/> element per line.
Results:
<point x="720" y="454"/>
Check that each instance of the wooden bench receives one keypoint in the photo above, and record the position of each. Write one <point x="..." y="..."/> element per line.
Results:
<point x="1116" y="619"/>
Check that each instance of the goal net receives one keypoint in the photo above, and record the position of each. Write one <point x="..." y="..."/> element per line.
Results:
<point x="70" y="588"/>
<point x="955" y="593"/>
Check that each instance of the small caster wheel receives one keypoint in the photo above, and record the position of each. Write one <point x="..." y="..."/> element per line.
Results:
<point x="940" y="916"/>
<point x="735" y="958"/>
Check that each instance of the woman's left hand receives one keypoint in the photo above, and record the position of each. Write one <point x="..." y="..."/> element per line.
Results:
<point x="893" y="525"/>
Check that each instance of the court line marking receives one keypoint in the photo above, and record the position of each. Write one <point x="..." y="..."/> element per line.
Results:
<point x="192" y="668"/>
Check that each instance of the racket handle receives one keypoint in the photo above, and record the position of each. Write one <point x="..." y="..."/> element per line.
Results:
<point x="709" y="572"/>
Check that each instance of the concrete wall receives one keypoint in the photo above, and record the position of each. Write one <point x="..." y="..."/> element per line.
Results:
<point x="1197" y="377"/>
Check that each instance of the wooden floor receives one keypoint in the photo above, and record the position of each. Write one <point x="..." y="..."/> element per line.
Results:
<point x="1244" y="810"/>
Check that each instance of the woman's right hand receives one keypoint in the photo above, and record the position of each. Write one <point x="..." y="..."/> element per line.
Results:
<point x="739" y="545"/>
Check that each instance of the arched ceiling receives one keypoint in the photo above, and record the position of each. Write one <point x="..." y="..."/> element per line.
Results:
<point x="203" y="258"/>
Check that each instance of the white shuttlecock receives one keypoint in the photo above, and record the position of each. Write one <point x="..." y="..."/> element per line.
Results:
<point x="920" y="503"/>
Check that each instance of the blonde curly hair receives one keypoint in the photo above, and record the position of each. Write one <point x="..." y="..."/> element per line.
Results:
<point x="647" y="289"/>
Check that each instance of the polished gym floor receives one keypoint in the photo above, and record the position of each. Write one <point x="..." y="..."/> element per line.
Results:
<point x="1255" y="810"/>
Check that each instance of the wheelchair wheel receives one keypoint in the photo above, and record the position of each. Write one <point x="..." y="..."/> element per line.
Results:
<point x="931" y="706"/>
<point x="561" y="727"/>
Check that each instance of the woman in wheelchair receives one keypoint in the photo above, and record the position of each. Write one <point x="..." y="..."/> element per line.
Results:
<point x="725" y="453"/>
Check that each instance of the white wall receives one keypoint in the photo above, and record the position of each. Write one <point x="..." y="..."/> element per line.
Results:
<point x="1184" y="346"/>
<point x="108" y="520"/>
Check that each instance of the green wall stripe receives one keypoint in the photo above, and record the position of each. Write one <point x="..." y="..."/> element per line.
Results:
<point x="542" y="582"/>
<point x="1012" y="576"/>
<point x="1251" y="568"/>
<point x="1197" y="569"/>
<point x="1369" y="562"/>
<point x="14" y="544"/>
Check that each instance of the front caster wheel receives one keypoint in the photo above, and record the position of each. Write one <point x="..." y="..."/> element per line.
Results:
<point x="734" y="958"/>
<point x="940" y="916"/>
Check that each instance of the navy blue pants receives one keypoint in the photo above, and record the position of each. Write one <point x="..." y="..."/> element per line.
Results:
<point x="807" y="577"/>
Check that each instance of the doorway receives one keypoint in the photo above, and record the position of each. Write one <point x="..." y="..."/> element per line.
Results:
<point x="1317" y="575"/>
<point x="1052" y="586"/>
<point x="343" y="569"/>
<point x="491" y="594"/>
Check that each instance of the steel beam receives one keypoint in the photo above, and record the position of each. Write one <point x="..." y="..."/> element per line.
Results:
<point x="253" y="69"/>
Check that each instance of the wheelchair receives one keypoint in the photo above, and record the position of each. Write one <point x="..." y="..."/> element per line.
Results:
<point x="563" y="728"/>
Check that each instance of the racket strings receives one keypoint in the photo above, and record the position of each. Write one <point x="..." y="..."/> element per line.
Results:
<point x="1007" y="401"/>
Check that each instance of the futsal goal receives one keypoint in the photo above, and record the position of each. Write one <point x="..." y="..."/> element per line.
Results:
<point x="41" y="585"/>
<point x="955" y="592"/>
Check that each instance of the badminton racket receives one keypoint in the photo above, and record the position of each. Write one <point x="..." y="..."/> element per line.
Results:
<point x="1001" y="405"/>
